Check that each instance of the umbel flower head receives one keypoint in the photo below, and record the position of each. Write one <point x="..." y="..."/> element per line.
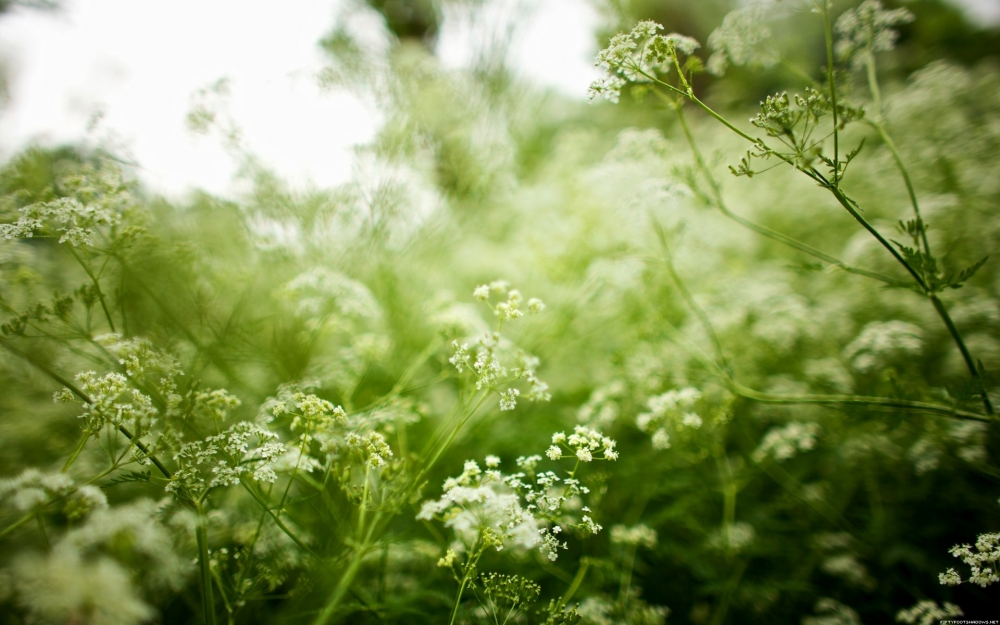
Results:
<point x="981" y="558"/>
<point x="866" y="30"/>
<point x="638" y="57"/>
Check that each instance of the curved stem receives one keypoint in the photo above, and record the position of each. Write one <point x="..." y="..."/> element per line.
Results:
<point x="858" y="400"/>
<point x="758" y="228"/>
<point x="76" y="452"/>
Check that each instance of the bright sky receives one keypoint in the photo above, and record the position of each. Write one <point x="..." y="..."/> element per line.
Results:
<point x="141" y="61"/>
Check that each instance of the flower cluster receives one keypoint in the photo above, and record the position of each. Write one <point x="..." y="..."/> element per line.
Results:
<point x="868" y="29"/>
<point x="320" y="292"/>
<point x="495" y="361"/>
<point x="883" y="340"/>
<point x="983" y="562"/>
<point x="373" y="447"/>
<point x="527" y="509"/>
<point x="93" y="197"/>
<point x="554" y="499"/>
<point x="141" y="359"/>
<point x="309" y="414"/>
<point x="785" y="442"/>
<point x="636" y="536"/>
<point x="638" y="56"/>
<point x="33" y="488"/>
<point x="602" y="407"/>
<point x="582" y="444"/>
<point x="510" y="308"/>
<point x="733" y="537"/>
<point x="479" y="505"/>
<point x="216" y="404"/>
<point x="670" y="412"/>
<point x="104" y="405"/>
<point x="245" y="449"/>
<point x="929" y="613"/>
<point x="508" y="595"/>
<point x="737" y="41"/>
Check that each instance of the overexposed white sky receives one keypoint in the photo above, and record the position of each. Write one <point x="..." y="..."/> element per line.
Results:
<point x="141" y="61"/>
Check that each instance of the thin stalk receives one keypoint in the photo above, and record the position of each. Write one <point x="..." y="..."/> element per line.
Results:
<point x="729" y="488"/>
<point x="857" y="400"/>
<point x="692" y="304"/>
<point x="16" y="524"/>
<point x="97" y="286"/>
<point x="581" y="573"/>
<point x="76" y="452"/>
<point x="342" y="587"/>
<point x="720" y="614"/>
<point x="458" y="598"/>
<point x="451" y="437"/>
<point x="943" y="313"/>
<point x="469" y="568"/>
<point x="363" y="508"/>
<point x="277" y="520"/>
<point x="41" y="530"/>
<point x="205" y="566"/>
<point x="883" y="134"/>
<point x="758" y="228"/>
<point x="828" y="36"/>
<point x="625" y="587"/>
<point x="849" y="206"/>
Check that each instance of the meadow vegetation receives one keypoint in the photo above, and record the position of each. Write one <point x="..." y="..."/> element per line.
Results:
<point x="672" y="355"/>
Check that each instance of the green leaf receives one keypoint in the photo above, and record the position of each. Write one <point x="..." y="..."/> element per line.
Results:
<point x="130" y="476"/>
<point x="963" y="276"/>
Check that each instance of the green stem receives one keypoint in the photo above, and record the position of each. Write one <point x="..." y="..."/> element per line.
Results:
<point x="581" y="573"/>
<point x="16" y="524"/>
<point x="857" y="400"/>
<point x="277" y="520"/>
<point x="76" y="452"/>
<point x="729" y="488"/>
<point x="41" y="530"/>
<point x="849" y="206"/>
<point x="720" y="614"/>
<point x="946" y="318"/>
<point x="97" y="286"/>
<point x="470" y="567"/>
<point x="441" y="449"/>
<point x="758" y="228"/>
<point x="828" y="36"/>
<point x="889" y="143"/>
<point x="343" y="586"/>
<point x="205" y="566"/>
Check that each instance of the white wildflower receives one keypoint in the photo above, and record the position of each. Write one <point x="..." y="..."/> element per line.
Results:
<point x="879" y="341"/>
<point x="928" y="613"/>
<point x="508" y="399"/>
<point x="868" y="29"/>
<point x="785" y="442"/>
<point x="738" y="40"/>
<point x="638" y="535"/>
